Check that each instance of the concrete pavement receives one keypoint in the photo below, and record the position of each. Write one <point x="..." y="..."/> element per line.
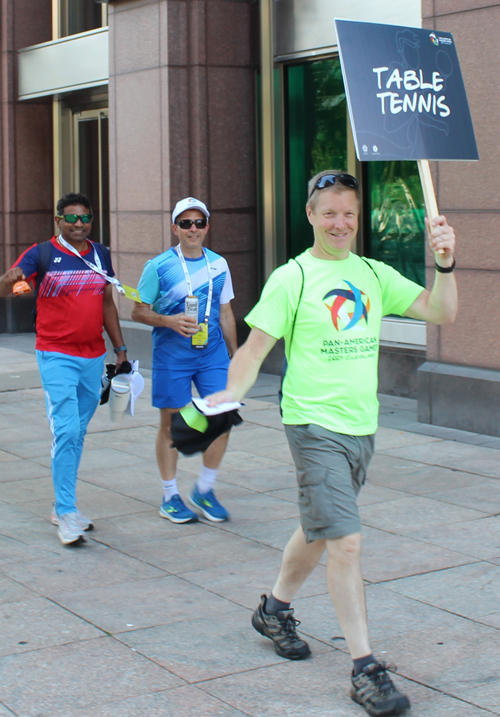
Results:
<point x="151" y="618"/>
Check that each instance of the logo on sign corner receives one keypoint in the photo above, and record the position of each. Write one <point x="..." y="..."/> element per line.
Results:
<point x="434" y="39"/>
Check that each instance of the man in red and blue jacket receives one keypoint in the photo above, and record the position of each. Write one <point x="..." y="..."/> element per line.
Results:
<point x="74" y="302"/>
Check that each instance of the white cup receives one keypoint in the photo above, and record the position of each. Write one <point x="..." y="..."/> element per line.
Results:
<point x="119" y="395"/>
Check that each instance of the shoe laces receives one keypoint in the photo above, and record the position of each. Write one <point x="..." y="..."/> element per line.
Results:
<point x="378" y="675"/>
<point x="176" y="501"/>
<point x="290" y="624"/>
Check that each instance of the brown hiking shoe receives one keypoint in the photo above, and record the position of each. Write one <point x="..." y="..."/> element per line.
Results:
<point x="374" y="689"/>
<point x="281" y="629"/>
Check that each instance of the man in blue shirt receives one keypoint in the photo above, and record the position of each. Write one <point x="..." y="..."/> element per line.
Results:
<point x="187" y="349"/>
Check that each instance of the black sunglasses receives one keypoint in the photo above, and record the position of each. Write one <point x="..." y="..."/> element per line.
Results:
<point x="329" y="180"/>
<point x="188" y="223"/>
<point x="73" y="218"/>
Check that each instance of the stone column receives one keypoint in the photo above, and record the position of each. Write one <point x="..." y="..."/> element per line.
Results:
<point x="182" y="122"/>
<point x="25" y="148"/>
<point x="459" y="386"/>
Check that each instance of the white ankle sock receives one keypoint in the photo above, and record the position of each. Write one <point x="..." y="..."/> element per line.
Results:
<point x="207" y="479"/>
<point x="169" y="489"/>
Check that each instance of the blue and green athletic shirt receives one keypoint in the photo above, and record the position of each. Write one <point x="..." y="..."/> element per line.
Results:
<point x="163" y="285"/>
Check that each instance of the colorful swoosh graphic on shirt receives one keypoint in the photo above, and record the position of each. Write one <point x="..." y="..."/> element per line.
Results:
<point x="354" y="295"/>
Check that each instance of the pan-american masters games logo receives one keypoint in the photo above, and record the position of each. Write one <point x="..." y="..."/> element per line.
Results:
<point x="350" y="307"/>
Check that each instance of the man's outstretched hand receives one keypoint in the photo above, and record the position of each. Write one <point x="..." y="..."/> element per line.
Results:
<point x="8" y="280"/>
<point x="215" y="399"/>
<point x="13" y="275"/>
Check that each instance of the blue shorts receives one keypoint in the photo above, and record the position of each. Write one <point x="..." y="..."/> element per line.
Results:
<point x="171" y="387"/>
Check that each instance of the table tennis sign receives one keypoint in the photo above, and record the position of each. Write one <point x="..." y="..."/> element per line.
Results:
<point x="406" y="97"/>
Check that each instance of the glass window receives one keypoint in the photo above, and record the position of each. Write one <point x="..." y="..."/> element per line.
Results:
<point x="92" y="168"/>
<point x="394" y="217"/>
<point x="317" y="139"/>
<point x="81" y="16"/>
<point x="316" y="111"/>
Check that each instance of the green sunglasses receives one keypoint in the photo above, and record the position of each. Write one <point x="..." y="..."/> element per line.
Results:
<point x="73" y="218"/>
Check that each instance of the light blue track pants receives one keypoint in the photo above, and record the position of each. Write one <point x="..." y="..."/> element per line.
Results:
<point x="72" y="387"/>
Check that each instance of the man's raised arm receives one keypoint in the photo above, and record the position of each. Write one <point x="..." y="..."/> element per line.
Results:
<point x="244" y="368"/>
<point x="440" y="305"/>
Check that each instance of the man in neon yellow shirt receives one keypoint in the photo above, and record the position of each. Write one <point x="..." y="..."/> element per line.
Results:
<point x="328" y="304"/>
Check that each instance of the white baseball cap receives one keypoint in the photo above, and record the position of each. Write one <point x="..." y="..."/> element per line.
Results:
<point x="189" y="203"/>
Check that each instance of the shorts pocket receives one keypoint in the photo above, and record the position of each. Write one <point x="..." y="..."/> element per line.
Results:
<point x="314" y="499"/>
<point x="311" y="475"/>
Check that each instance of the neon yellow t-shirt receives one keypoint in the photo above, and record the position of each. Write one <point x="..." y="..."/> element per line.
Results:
<point x="332" y="378"/>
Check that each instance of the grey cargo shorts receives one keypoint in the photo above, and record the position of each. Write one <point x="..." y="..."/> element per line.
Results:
<point x="331" y="468"/>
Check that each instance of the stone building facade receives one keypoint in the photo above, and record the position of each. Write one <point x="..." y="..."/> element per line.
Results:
<point x="142" y="102"/>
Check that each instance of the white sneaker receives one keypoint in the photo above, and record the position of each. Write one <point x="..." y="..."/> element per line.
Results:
<point x="85" y="523"/>
<point x="69" y="529"/>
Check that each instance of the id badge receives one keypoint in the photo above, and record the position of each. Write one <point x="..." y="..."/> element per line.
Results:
<point x="200" y="339"/>
<point x="131" y="293"/>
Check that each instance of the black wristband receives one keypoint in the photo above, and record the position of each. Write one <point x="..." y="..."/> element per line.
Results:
<point x="446" y="269"/>
<point x="119" y="348"/>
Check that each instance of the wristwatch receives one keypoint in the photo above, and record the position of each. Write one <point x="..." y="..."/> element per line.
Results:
<point x="118" y="349"/>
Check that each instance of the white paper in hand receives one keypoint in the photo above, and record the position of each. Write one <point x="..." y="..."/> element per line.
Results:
<point x="202" y="407"/>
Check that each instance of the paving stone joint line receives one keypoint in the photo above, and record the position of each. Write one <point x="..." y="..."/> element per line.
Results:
<point x="217" y="572"/>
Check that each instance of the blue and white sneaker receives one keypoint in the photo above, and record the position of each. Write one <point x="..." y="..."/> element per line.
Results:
<point x="175" y="510"/>
<point x="208" y="505"/>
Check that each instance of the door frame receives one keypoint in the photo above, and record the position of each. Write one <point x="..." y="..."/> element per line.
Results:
<point x="86" y="116"/>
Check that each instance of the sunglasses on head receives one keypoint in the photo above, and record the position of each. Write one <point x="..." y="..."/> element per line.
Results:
<point x="73" y="218"/>
<point x="329" y="180"/>
<point x="188" y="223"/>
